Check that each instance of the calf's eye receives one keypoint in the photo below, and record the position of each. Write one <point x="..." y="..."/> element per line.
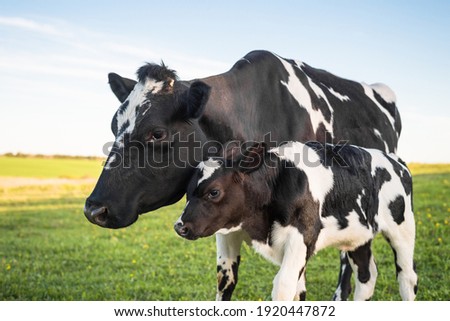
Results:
<point x="214" y="193"/>
<point x="156" y="135"/>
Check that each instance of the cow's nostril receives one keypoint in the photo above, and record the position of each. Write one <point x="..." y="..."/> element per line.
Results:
<point x="98" y="211"/>
<point x="96" y="214"/>
<point x="101" y="219"/>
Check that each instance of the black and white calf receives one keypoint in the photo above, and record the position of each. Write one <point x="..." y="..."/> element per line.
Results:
<point x="296" y="199"/>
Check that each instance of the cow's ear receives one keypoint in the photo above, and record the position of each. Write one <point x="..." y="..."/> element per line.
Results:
<point x="121" y="87"/>
<point x="252" y="157"/>
<point x="194" y="100"/>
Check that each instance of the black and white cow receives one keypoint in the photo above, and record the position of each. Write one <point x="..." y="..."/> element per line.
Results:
<point x="296" y="199"/>
<point x="263" y="97"/>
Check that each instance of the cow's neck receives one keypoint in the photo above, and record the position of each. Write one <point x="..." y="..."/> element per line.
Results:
<point x="226" y="113"/>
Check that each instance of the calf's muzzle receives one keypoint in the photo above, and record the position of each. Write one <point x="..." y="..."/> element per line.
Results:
<point x="181" y="229"/>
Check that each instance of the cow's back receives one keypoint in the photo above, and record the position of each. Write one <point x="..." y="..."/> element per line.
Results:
<point x="268" y="98"/>
<point x="367" y="114"/>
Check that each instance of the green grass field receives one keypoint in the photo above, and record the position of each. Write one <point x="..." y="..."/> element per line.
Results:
<point x="50" y="167"/>
<point x="49" y="251"/>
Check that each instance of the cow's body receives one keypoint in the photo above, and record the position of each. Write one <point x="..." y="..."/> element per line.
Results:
<point x="263" y="97"/>
<point x="298" y="199"/>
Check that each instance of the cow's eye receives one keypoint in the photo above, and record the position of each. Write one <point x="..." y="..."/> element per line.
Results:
<point x="156" y="135"/>
<point x="214" y="193"/>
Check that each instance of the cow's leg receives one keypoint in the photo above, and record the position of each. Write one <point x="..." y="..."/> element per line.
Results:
<point x="401" y="240"/>
<point x="344" y="286"/>
<point x="363" y="264"/>
<point x="228" y="259"/>
<point x="300" y="295"/>
<point x="294" y="261"/>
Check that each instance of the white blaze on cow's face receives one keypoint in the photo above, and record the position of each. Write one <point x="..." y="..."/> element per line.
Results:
<point x="138" y="102"/>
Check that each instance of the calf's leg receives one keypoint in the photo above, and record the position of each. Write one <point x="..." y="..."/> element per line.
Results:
<point x="363" y="264"/>
<point x="294" y="261"/>
<point x="402" y="244"/>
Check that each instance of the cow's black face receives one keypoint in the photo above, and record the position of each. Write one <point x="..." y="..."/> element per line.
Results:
<point x="157" y="145"/>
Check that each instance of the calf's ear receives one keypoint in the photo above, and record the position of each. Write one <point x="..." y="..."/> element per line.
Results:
<point x="252" y="157"/>
<point x="121" y="87"/>
<point x="230" y="151"/>
<point x="194" y="100"/>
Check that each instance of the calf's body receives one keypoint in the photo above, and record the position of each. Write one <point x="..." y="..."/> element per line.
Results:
<point x="297" y="199"/>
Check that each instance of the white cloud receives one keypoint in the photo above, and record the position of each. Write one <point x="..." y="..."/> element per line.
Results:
<point x="84" y="50"/>
<point x="45" y="67"/>
<point x="31" y="25"/>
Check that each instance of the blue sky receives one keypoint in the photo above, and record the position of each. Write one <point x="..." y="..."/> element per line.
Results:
<point x="55" y="56"/>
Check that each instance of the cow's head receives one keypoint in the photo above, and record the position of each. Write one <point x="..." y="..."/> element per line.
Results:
<point x="156" y="148"/>
<point x="224" y="193"/>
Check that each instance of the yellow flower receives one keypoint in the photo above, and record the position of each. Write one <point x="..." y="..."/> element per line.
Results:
<point x="429" y="215"/>
<point x="8" y="267"/>
<point x="133" y="261"/>
<point x="446" y="222"/>
<point x="440" y="239"/>
<point x="437" y="224"/>
<point x="145" y="246"/>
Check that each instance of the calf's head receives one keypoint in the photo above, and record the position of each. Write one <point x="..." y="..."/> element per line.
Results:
<point x="224" y="192"/>
<point x="156" y="148"/>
